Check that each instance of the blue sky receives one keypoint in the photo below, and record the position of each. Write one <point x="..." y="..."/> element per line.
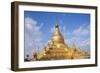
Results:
<point x="39" y="28"/>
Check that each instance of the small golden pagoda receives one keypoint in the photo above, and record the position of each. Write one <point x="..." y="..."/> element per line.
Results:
<point x="57" y="49"/>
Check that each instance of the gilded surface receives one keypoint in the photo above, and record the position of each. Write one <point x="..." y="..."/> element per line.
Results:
<point x="57" y="49"/>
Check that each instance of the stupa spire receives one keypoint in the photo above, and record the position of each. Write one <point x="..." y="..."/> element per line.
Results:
<point x="57" y="26"/>
<point x="57" y="37"/>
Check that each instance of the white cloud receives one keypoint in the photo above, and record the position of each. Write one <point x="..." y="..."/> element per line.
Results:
<point x="77" y="30"/>
<point x="29" y="20"/>
<point x="82" y="35"/>
<point x="85" y="45"/>
<point x="32" y="29"/>
<point x="33" y="33"/>
<point x="52" y="30"/>
<point x="81" y="30"/>
<point x="85" y="42"/>
<point x="29" y="23"/>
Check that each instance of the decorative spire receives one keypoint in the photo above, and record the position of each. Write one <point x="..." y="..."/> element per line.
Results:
<point x="57" y="26"/>
<point x="74" y="45"/>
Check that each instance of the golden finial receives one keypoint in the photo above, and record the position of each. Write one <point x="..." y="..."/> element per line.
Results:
<point x="57" y="26"/>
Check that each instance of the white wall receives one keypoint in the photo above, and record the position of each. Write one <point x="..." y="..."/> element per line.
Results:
<point x="5" y="40"/>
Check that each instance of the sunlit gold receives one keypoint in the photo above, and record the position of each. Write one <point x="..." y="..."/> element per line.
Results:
<point x="58" y="49"/>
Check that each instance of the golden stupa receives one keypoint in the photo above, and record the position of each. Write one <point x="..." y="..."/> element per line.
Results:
<point x="57" y="49"/>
